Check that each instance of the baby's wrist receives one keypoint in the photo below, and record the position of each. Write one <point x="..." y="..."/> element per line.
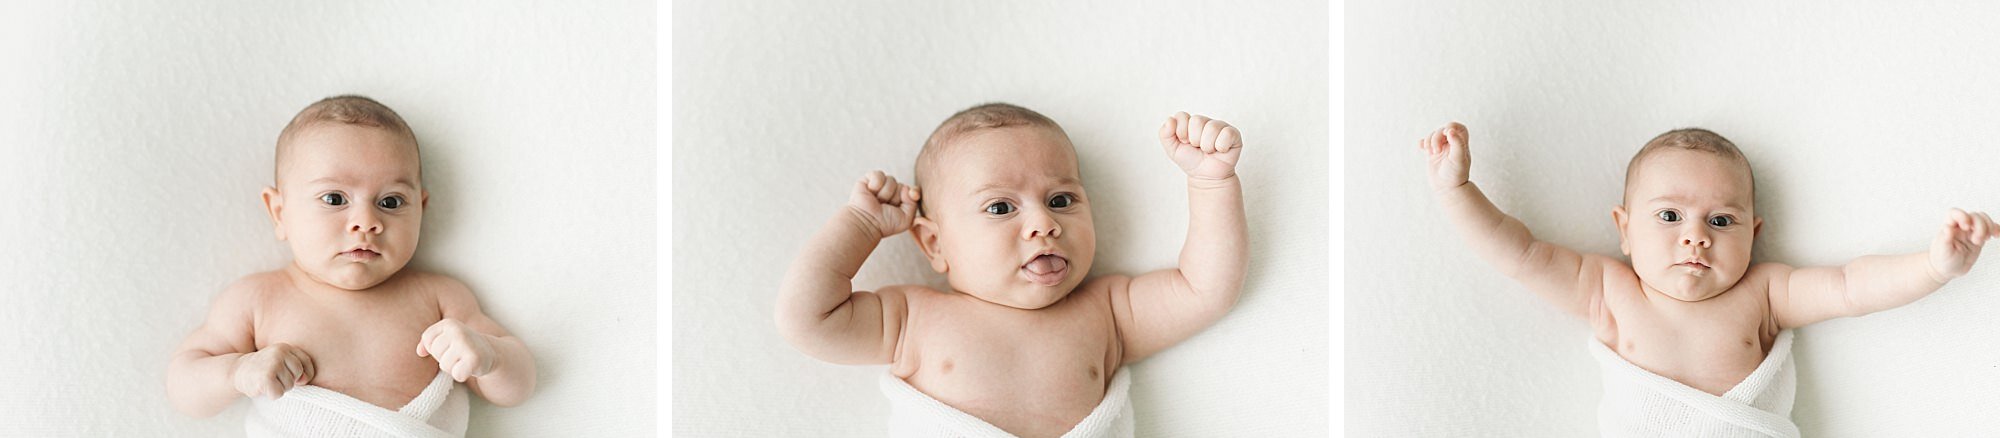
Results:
<point x="1203" y="182"/>
<point x="1935" y="274"/>
<point x="862" y="221"/>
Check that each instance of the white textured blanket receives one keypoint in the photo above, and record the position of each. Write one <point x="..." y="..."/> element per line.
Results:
<point x="312" y="411"/>
<point x="913" y="414"/>
<point x="1639" y="403"/>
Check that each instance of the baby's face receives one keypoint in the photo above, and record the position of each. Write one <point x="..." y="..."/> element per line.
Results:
<point x="1009" y="216"/>
<point x="1688" y="222"/>
<point x="350" y="203"/>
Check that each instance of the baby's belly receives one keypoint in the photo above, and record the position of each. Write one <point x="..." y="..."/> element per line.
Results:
<point x="380" y="368"/>
<point x="1712" y="363"/>
<point x="1026" y="387"/>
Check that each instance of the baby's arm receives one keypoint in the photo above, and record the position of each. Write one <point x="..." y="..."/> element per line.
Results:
<point x="476" y="350"/>
<point x="220" y="362"/>
<point x="819" y="311"/>
<point x="1158" y="309"/>
<point x="1880" y="282"/>
<point x="1572" y="281"/>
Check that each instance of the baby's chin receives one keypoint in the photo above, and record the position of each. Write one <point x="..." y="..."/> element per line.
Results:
<point x="349" y="276"/>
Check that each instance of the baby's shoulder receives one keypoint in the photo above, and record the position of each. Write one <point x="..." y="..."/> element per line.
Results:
<point x="256" y="287"/>
<point x="1762" y="274"/>
<point x="911" y="292"/>
<point x="443" y="287"/>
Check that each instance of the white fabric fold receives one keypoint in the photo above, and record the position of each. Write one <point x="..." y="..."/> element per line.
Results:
<point x="312" y="411"/>
<point x="914" y="414"/>
<point x="1639" y="403"/>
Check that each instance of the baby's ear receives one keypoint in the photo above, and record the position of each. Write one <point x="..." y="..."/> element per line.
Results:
<point x="925" y="233"/>
<point x="273" y="204"/>
<point x="425" y="202"/>
<point x="1756" y="228"/>
<point x="1618" y="219"/>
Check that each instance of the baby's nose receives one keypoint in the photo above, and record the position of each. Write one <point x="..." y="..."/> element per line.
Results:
<point x="1044" y="227"/>
<point x="1696" y="240"/>
<point x="366" y="223"/>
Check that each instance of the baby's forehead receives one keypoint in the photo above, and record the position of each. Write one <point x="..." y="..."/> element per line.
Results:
<point x="1682" y="176"/>
<point x="1009" y="157"/>
<point x="349" y="153"/>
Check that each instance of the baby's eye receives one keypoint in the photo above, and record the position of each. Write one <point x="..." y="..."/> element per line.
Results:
<point x="999" y="208"/>
<point x="1721" y="221"/>
<point x="1670" y="216"/>
<point x="390" y="203"/>
<point x="1062" y="201"/>
<point x="334" y="199"/>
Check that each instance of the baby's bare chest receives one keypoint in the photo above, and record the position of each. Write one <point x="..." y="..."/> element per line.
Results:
<point x="366" y="349"/>
<point x="1710" y="345"/>
<point x="1047" y="366"/>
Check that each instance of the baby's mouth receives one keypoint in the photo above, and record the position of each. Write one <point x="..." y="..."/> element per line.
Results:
<point x="361" y="254"/>
<point x="1046" y="269"/>
<point x="1693" y="264"/>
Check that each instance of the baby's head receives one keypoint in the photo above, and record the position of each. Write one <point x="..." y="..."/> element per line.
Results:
<point x="349" y="192"/>
<point x="1004" y="214"/>
<point x="1689" y="214"/>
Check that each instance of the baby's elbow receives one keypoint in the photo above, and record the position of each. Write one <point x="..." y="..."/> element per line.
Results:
<point x="187" y="405"/>
<point x="513" y="399"/>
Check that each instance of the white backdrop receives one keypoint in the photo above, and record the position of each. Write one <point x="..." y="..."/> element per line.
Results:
<point x="781" y="105"/>
<point x="1864" y="124"/>
<point x="134" y="138"/>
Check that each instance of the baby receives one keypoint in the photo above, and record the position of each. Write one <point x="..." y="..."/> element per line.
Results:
<point x="1692" y="334"/>
<point x="1022" y="343"/>
<point x="344" y="330"/>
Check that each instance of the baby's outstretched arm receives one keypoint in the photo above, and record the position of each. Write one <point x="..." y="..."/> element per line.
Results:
<point x="1158" y="309"/>
<point x="1572" y="281"/>
<point x="819" y="311"/>
<point x="1880" y="282"/>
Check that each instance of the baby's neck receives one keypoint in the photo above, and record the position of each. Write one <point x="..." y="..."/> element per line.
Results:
<point x="310" y="286"/>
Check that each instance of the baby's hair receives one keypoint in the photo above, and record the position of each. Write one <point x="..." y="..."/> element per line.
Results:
<point x="984" y="116"/>
<point x="349" y="110"/>
<point x="1692" y="139"/>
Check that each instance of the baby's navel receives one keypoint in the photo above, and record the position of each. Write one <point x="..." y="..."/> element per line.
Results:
<point x="1093" y="372"/>
<point x="944" y="367"/>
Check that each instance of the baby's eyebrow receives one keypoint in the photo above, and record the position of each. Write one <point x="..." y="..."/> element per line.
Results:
<point x="405" y="182"/>
<point x="1060" y="181"/>
<point x="1677" y="199"/>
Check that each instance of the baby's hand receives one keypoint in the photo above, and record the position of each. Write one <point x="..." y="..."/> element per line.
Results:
<point x="1203" y="147"/>
<point x="1957" y="245"/>
<point x="459" y="350"/>
<point x="1450" y="159"/>
<point x="887" y="206"/>
<point x="269" y="372"/>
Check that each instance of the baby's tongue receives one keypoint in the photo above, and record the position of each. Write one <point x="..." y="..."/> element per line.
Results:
<point x="1046" y="264"/>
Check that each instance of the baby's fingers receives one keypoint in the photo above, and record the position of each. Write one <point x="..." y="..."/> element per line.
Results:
<point x="1456" y="135"/>
<point x="1982" y="228"/>
<point x="1957" y="221"/>
<point x="1209" y="131"/>
<point x="909" y="205"/>
<point x="1196" y="123"/>
<point x="1181" y="127"/>
<point x="1229" y="139"/>
<point x="1433" y="142"/>
<point x="306" y="368"/>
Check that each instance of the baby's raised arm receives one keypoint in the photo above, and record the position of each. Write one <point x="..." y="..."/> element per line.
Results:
<point x="819" y="311"/>
<point x="1572" y="281"/>
<point x="1158" y="309"/>
<point x="1875" y="283"/>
